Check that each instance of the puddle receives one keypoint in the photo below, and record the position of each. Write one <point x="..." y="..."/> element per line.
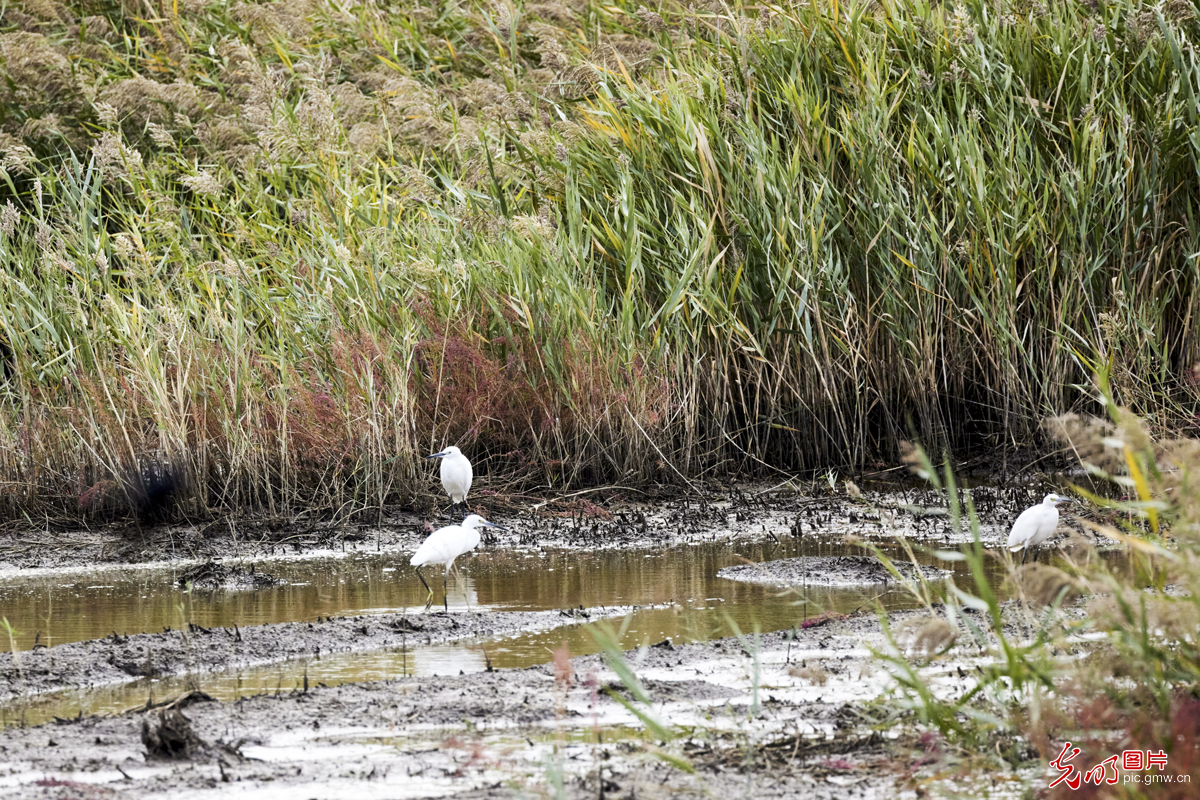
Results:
<point x="57" y="607"/>
<point x="687" y="602"/>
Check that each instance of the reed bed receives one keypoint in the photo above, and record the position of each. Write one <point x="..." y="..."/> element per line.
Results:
<point x="263" y="256"/>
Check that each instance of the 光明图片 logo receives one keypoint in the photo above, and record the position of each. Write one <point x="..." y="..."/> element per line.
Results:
<point x="1131" y="766"/>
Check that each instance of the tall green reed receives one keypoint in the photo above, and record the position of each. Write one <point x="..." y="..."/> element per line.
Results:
<point x="276" y="251"/>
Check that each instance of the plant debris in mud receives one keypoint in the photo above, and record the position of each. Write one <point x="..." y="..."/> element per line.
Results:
<point x="215" y="575"/>
<point x="168" y="734"/>
<point x="841" y="753"/>
<point x="827" y="571"/>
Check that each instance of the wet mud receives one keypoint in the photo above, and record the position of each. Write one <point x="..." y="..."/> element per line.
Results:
<point x="773" y="715"/>
<point x="828" y="571"/>
<point x="783" y="714"/>
<point x="597" y="520"/>
<point x="196" y="650"/>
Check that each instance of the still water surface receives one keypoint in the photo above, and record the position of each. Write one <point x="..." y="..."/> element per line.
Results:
<point x="695" y="605"/>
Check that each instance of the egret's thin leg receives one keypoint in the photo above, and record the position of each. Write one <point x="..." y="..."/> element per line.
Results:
<point x="429" y="598"/>
<point x="445" y="601"/>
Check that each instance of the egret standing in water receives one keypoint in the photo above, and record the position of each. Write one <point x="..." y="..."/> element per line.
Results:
<point x="1035" y="525"/>
<point x="446" y="544"/>
<point x="456" y="473"/>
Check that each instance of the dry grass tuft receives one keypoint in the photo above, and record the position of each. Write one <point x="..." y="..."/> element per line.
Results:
<point x="815" y="675"/>
<point x="926" y="637"/>
<point x="1045" y="585"/>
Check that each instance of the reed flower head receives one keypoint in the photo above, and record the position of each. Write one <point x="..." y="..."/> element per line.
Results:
<point x="528" y="227"/>
<point x="1088" y="438"/>
<point x="203" y="183"/>
<point x="111" y="151"/>
<point x="123" y="245"/>
<point x="962" y="27"/>
<point x="42" y="236"/>
<point x="108" y="149"/>
<point x="18" y="157"/>
<point x="140" y="100"/>
<point x="9" y="217"/>
<point x="504" y="16"/>
<point x="160" y="135"/>
<point x="107" y="113"/>
<point x="550" y="46"/>
<point x="651" y="20"/>
<point x="1045" y="585"/>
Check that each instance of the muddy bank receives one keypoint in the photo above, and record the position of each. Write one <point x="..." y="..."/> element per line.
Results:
<point x="773" y="716"/>
<point x="828" y="571"/>
<point x="610" y="519"/>
<point x="197" y="650"/>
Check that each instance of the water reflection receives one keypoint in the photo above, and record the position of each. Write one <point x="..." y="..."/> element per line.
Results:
<point x="64" y="607"/>
<point x="682" y="599"/>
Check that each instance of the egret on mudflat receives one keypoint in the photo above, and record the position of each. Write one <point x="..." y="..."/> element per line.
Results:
<point x="456" y="473"/>
<point x="1035" y="525"/>
<point x="446" y="544"/>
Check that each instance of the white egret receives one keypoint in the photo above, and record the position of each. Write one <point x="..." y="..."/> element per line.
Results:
<point x="456" y="473"/>
<point x="446" y="544"/>
<point x="1035" y="525"/>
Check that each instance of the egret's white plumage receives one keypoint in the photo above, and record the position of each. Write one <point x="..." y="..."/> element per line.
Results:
<point x="456" y="473"/>
<point x="1035" y="524"/>
<point x="446" y="544"/>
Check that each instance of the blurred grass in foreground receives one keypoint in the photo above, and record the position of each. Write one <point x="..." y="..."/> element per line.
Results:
<point x="1101" y="654"/>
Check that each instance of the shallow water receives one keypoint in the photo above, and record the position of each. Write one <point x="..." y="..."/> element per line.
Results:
<point x="685" y="598"/>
